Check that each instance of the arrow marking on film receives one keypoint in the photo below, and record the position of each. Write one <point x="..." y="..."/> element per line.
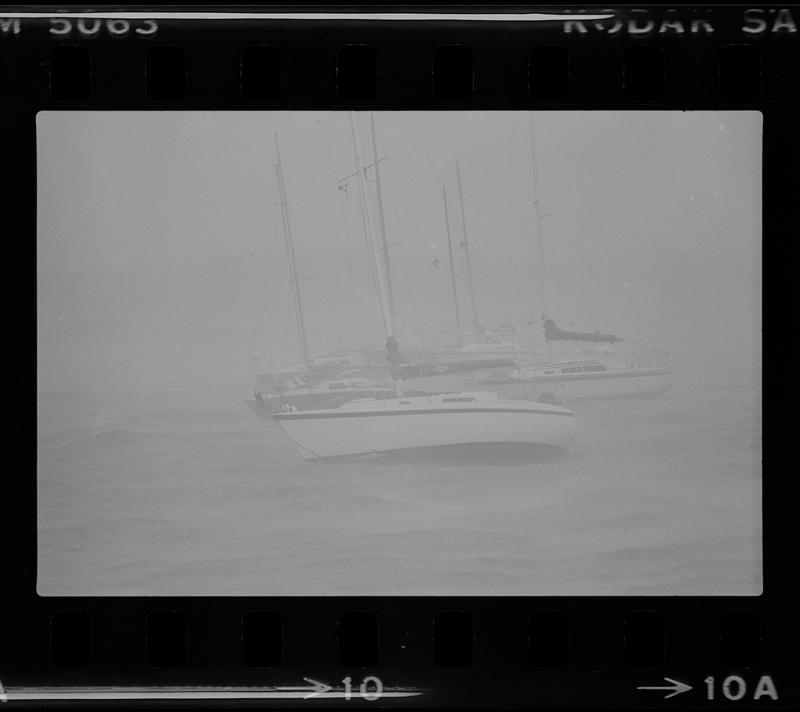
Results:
<point x="315" y="689"/>
<point x="675" y="688"/>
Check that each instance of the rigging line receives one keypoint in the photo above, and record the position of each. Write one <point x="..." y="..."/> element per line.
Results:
<point x="538" y="216"/>
<point x="290" y="255"/>
<point x="363" y="302"/>
<point x="512" y="147"/>
<point x="379" y="204"/>
<point x="351" y="287"/>
<point x="265" y="274"/>
<point x="601" y="240"/>
<point x="382" y="219"/>
<point x="365" y="217"/>
<point x="466" y="256"/>
<point x="518" y="164"/>
<point x="436" y="173"/>
<point x="299" y="445"/>
<point x="451" y="264"/>
<point x="374" y="306"/>
<point x="634" y="304"/>
<point x="644" y="323"/>
<point x="491" y="287"/>
<point x="505" y="208"/>
<point x="397" y="197"/>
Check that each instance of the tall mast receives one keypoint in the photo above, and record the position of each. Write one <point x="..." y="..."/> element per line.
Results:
<point x="377" y="262"/>
<point x="452" y="266"/>
<point x="365" y="221"/>
<point x="539" y="217"/>
<point x="287" y="235"/>
<point x="467" y="261"/>
<point x="384" y="244"/>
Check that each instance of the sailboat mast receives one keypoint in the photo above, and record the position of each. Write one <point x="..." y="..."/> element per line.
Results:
<point x="382" y="220"/>
<point x="377" y="262"/>
<point x="467" y="261"/>
<point x="287" y="235"/>
<point x="452" y="266"/>
<point x="365" y="222"/>
<point x="539" y="217"/>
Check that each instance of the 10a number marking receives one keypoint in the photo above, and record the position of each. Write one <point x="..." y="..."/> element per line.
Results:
<point x="734" y="688"/>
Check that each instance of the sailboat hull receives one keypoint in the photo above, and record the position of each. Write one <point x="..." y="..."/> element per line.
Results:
<point x="424" y="423"/>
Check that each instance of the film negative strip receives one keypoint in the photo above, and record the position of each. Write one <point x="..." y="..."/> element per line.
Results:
<point x="400" y="356"/>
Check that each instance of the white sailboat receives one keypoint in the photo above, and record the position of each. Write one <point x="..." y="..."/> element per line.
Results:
<point x="580" y="371"/>
<point x="576" y="380"/>
<point x="430" y="421"/>
<point x="441" y="420"/>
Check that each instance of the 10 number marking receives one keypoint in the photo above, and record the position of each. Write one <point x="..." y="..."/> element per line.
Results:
<point x="371" y="688"/>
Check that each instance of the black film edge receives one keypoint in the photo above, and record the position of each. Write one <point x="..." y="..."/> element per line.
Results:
<point x="160" y="547"/>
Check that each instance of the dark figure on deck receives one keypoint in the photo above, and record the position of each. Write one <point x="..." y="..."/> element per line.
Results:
<point x="393" y="351"/>
<point x="553" y="333"/>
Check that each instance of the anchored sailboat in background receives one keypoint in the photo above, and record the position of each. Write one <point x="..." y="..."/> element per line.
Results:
<point x="500" y="342"/>
<point x="411" y="422"/>
<point x="587" y="364"/>
<point x="478" y="352"/>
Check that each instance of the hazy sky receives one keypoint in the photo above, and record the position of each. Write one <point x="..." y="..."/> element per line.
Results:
<point x="162" y="228"/>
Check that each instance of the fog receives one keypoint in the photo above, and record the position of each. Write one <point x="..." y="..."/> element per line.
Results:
<point x="161" y="254"/>
<point x="162" y="269"/>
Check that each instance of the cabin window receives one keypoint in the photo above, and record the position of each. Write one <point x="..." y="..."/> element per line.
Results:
<point x="336" y="386"/>
<point x="404" y="402"/>
<point x="571" y="369"/>
<point x="457" y="400"/>
<point x="549" y="372"/>
<point x="594" y="368"/>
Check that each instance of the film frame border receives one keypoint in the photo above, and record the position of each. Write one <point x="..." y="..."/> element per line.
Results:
<point x="501" y="672"/>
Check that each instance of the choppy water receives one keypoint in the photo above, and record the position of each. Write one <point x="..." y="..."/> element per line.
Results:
<point x="180" y="490"/>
